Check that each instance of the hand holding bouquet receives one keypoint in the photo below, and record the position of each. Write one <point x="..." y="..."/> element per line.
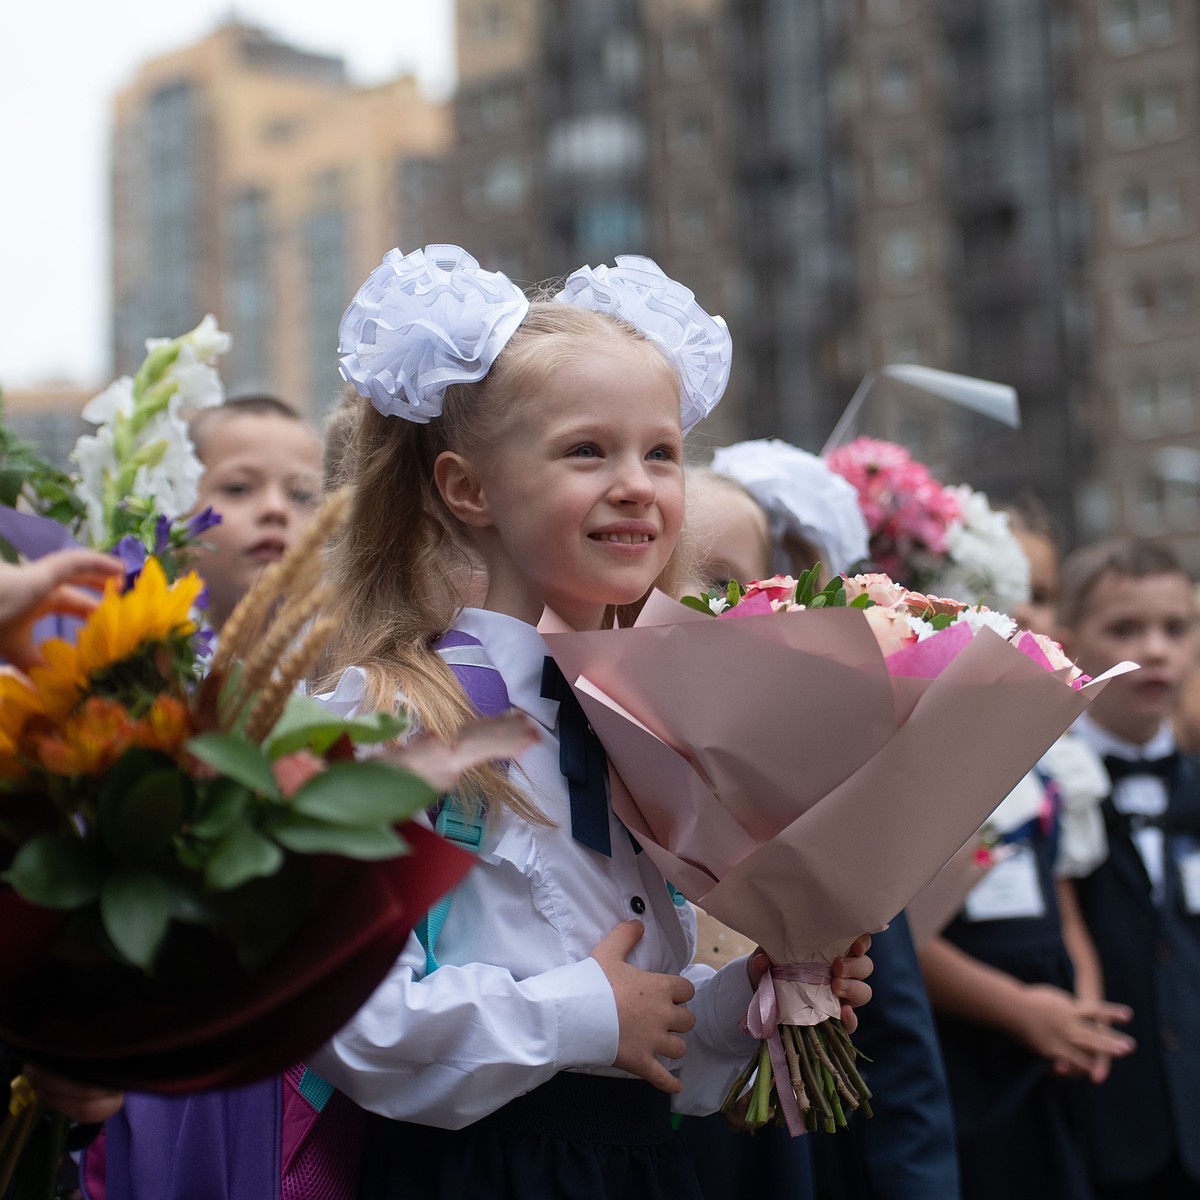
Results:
<point x="801" y="768"/>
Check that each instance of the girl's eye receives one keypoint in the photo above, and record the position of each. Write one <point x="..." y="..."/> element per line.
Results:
<point x="304" y="498"/>
<point x="1124" y="629"/>
<point x="662" y="454"/>
<point x="587" y="450"/>
<point x="235" y="489"/>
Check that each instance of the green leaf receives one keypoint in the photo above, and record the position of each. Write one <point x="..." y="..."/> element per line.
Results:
<point x="863" y="601"/>
<point x="305" y="835"/>
<point x="141" y="822"/>
<point x="223" y="804"/>
<point x="734" y="592"/>
<point x="242" y="854"/>
<point x="238" y="759"/>
<point x="136" y="908"/>
<point x="698" y="604"/>
<point x="363" y="793"/>
<point x="305" y="724"/>
<point x="941" y="621"/>
<point x="11" y="483"/>
<point x="56" y="871"/>
<point x="818" y="601"/>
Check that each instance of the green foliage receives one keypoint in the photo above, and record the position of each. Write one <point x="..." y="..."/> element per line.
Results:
<point x="44" y="488"/>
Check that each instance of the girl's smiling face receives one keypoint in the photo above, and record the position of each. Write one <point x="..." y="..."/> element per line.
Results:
<point x="579" y="503"/>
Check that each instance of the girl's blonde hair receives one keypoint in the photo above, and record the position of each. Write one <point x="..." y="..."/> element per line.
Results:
<point x="402" y="565"/>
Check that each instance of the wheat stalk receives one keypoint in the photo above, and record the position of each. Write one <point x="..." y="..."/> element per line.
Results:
<point x="271" y="700"/>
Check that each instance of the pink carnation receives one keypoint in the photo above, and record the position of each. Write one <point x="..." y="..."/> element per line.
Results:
<point x="779" y="590"/>
<point x="878" y="588"/>
<point x="891" y="628"/>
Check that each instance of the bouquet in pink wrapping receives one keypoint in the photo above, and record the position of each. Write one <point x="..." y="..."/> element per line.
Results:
<point x="803" y="765"/>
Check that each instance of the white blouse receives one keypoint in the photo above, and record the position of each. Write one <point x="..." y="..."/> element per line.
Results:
<point x="516" y="998"/>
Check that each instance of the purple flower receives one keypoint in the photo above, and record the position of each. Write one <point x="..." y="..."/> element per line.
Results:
<point x="205" y="519"/>
<point x="162" y="535"/>
<point x="133" y="554"/>
<point x="203" y="642"/>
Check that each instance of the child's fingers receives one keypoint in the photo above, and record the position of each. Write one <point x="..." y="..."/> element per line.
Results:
<point x="849" y="1018"/>
<point x="85" y="568"/>
<point x="1106" y="1013"/>
<point x="71" y="601"/>
<point x="858" y="966"/>
<point x="616" y="946"/>
<point x="853" y="992"/>
<point x="860" y="946"/>
<point x="1100" y="1039"/>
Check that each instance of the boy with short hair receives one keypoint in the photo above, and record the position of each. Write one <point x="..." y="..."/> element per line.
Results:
<point x="262" y="474"/>
<point x="1132" y="600"/>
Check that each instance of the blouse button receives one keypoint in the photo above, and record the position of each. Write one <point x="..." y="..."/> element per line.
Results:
<point x="638" y="905"/>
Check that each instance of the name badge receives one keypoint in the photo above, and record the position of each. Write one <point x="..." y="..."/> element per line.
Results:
<point x="1010" y="890"/>
<point x="1189" y="880"/>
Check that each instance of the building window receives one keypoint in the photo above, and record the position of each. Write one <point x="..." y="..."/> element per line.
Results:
<point x="687" y="134"/>
<point x="1136" y="308"/>
<point x="325" y="251"/>
<point x="248" y="291"/>
<point x="492" y="20"/>
<point x="1176" y="297"/>
<point x="1139" y="406"/>
<point x="621" y="55"/>
<point x="1162" y="111"/>
<point x="1177" y="400"/>
<point x="1127" y="26"/>
<point x="1131" y="213"/>
<point x="683" y="53"/>
<point x="505" y="184"/>
<point x="902" y="255"/>
<point x="1146" y="500"/>
<point x="896" y="84"/>
<point x="609" y="226"/>
<point x="602" y="144"/>
<point x="903" y="345"/>
<point x="500" y="108"/>
<point x="689" y="219"/>
<point x="897" y="172"/>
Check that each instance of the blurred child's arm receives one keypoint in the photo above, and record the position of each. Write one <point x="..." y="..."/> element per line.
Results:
<point x="1089" y="980"/>
<point x="1075" y="1035"/>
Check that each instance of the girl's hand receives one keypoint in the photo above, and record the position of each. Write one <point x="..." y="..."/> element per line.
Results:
<point x="1075" y="1035"/>
<point x="650" y="1009"/>
<point x="849" y="972"/>
<point x="49" y="584"/>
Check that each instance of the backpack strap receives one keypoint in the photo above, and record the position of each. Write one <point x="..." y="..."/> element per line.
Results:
<point x="484" y="685"/>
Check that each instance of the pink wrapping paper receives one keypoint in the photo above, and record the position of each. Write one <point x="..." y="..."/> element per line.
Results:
<point x="934" y="906"/>
<point x="782" y="779"/>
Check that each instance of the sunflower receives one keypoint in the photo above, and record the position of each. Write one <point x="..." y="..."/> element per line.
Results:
<point x="122" y="624"/>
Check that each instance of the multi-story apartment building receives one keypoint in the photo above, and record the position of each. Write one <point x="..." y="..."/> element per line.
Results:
<point x="250" y="179"/>
<point x="1141" y="97"/>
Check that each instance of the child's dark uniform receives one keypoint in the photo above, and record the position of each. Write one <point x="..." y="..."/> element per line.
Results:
<point x="1144" y="1122"/>
<point x="1017" y="1124"/>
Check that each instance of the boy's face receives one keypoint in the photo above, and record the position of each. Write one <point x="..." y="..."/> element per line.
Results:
<point x="1147" y="621"/>
<point x="262" y="473"/>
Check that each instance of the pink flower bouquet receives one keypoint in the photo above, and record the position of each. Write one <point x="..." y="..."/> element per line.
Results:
<point x="805" y="770"/>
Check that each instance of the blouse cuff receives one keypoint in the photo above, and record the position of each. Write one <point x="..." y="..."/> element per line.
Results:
<point x="586" y="1012"/>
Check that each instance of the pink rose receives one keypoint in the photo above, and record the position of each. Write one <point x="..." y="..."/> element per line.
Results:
<point x="891" y="628"/>
<point x="777" y="589"/>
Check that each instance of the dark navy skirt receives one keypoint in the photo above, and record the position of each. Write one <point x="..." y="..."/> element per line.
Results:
<point x="577" y="1137"/>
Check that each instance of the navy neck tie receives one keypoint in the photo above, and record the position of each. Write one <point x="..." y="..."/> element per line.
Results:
<point x="582" y="760"/>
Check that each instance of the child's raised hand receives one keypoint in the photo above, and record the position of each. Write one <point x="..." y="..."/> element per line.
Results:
<point x="650" y="1009"/>
<point x="1075" y="1035"/>
<point x="48" y="584"/>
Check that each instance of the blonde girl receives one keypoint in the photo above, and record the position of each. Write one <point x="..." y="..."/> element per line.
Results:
<point x="533" y="1043"/>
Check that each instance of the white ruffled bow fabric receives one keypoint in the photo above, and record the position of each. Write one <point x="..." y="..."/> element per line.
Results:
<point x="801" y="496"/>
<point x="421" y="322"/>
<point x="666" y="313"/>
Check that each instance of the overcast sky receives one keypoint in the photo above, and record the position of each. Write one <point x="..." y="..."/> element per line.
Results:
<point x="61" y="62"/>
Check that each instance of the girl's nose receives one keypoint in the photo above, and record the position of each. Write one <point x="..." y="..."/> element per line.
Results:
<point x="633" y="484"/>
<point x="274" y="507"/>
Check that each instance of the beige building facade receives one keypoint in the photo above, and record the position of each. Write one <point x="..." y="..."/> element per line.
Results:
<point x="250" y="179"/>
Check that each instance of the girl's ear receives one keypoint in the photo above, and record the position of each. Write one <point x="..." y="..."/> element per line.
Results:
<point x="461" y="489"/>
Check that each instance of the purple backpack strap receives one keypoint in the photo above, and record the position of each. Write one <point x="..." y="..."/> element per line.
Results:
<point x="484" y="685"/>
